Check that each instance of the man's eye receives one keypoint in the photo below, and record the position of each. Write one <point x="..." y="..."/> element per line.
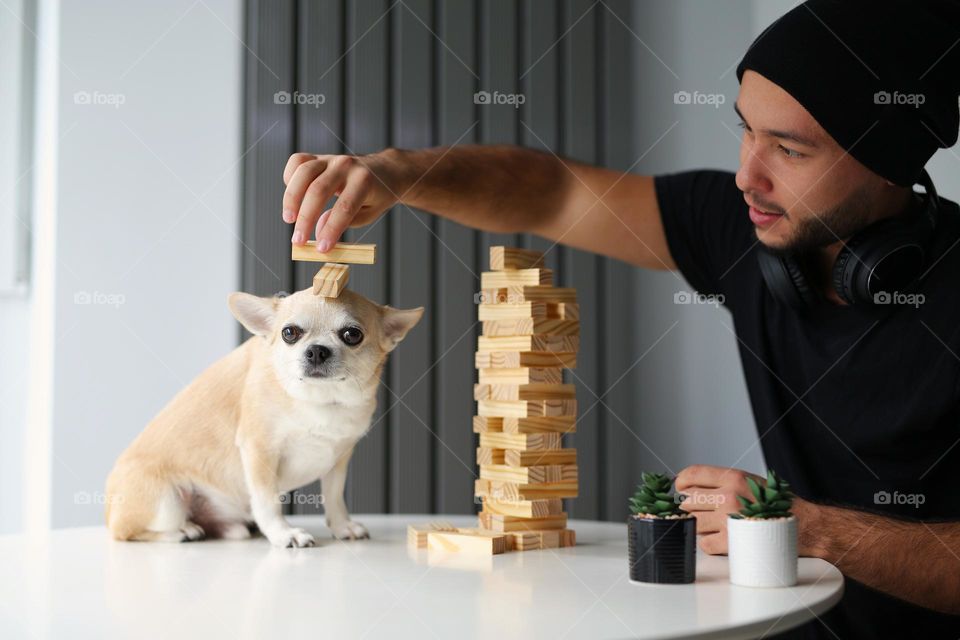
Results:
<point x="291" y="333"/>
<point x="790" y="153"/>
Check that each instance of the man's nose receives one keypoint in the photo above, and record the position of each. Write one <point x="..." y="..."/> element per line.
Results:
<point x="317" y="353"/>
<point x="752" y="175"/>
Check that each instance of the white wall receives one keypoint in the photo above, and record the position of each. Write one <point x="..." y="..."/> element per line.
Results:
<point x="142" y="178"/>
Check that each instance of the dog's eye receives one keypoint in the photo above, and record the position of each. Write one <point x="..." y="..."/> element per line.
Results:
<point x="291" y="333"/>
<point x="351" y="335"/>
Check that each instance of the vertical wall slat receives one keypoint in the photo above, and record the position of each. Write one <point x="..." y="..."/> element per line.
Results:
<point x="368" y="129"/>
<point x="409" y="256"/>
<point x="581" y="269"/>
<point x="456" y="274"/>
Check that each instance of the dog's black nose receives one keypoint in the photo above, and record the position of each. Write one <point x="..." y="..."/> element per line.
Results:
<point x="317" y="354"/>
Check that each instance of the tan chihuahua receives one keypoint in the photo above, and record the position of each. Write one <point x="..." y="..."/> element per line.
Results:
<point x="282" y="410"/>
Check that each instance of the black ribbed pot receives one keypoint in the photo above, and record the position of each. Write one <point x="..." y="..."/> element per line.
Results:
<point x="662" y="550"/>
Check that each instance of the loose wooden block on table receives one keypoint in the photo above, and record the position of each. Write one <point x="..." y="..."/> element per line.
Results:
<point x="526" y="408"/>
<point x="522" y="441"/>
<point x="331" y="280"/>
<point x="468" y="540"/>
<point x="528" y="343"/>
<point x="528" y="293"/>
<point x="531" y="326"/>
<point x="515" y="278"/>
<point x="514" y="258"/>
<point x="342" y="252"/>
<point x="521" y="375"/>
<point x="417" y="534"/>
<point x="524" y="508"/>
<point x="533" y="391"/>
<point x="518" y="359"/>
<point x="543" y="474"/>
<point x="504" y="524"/>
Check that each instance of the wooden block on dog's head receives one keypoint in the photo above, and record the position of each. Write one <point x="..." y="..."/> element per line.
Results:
<point x="342" y="252"/>
<point x="331" y="280"/>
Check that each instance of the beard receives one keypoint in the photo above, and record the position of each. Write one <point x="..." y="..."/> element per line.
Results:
<point x="821" y="229"/>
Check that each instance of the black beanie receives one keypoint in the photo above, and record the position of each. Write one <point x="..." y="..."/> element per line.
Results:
<point x="881" y="77"/>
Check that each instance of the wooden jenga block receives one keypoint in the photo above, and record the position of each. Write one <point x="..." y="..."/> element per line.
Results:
<point x="417" y="534"/>
<point x="489" y="455"/>
<point x="522" y="441"/>
<point x="514" y="458"/>
<point x="526" y="408"/>
<point x="568" y="538"/>
<point x="524" y="508"/>
<point x="517" y="359"/>
<point x="515" y="278"/>
<point x="528" y="343"/>
<point x="501" y="523"/>
<point x="510" y="310"/>
<point x="531" y="326"/>
<point x="544" y="474"/>
<point x="534" y="391"/>
<point x="513" y="491"/>
<point x="514" y="258"/>
<point x="528" y="293"/>
<point x="331" y="280"/>
<point x="468" y="540"/>
<point x="539" y="424"/>
<point x="487" y="424"/>
<point x="521" y="375"/>
<point x="343" y="252"/>
<point x="544" y="539"/>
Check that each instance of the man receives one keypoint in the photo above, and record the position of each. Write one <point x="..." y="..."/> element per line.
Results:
<point x="856" y="401"/>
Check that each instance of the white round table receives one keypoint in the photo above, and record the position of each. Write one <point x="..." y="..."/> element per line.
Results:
<point x="78" y="583"/>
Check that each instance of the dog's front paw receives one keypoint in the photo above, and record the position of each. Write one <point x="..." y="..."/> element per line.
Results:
<point x="349" y="530"/>
<point x="292" y="537"/>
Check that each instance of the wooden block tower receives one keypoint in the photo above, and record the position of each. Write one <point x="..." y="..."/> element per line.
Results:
<point x="530" y="334"/>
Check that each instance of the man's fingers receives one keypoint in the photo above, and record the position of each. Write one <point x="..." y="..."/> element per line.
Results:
<point x="348" y="203"/>
<point x="297" y="186"/>
<point x="701" y="475"/>
<point x="315" y="199"/>
<point x="293" y="162"/>
<point x="710" y="521"/>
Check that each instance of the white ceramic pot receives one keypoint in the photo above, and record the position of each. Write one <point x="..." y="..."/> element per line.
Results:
<point x="762" y="553"/>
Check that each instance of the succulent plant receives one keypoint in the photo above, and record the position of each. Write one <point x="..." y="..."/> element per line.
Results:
<point x="654" y="497"/>
<point x="773" y="500"/>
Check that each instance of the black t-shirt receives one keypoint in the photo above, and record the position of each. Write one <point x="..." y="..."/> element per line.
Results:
<point x="849" y="401"/>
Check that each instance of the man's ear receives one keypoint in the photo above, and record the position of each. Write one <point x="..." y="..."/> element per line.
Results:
<point x="396" y="324"/>
<point x="253" y="312"/>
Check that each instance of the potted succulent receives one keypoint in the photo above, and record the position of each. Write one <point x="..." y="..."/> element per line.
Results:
<point x="762" y="537"/>
<point x="661" y="538"/>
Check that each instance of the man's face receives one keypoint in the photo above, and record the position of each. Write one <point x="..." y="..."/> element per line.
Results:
<point x="804" y="191"/>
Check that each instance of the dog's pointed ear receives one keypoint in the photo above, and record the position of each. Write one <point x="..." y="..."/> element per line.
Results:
<point x="396" y="324"/>
<point x="253" y="312"/>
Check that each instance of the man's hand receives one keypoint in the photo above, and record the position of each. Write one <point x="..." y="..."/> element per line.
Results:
<point x="711" y="494"/>
<point x="365" y="187"/>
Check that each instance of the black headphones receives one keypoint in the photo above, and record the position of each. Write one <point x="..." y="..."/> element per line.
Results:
<point x="885" y="257"/>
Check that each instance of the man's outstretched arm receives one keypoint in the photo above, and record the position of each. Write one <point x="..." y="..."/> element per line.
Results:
<point x="497" y="188"/>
